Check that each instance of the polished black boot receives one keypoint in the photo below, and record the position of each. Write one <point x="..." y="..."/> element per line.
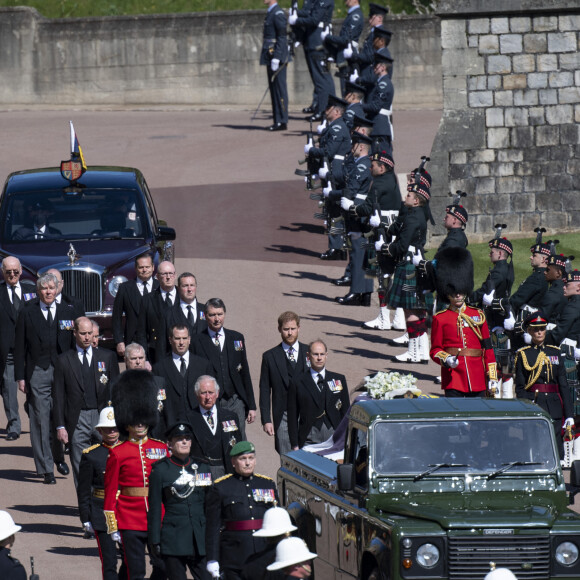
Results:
<point x="344" y="281"/>
<point x="333" y="254"/>
<point x="308" y="110"/>
<point x="352" y="299"/>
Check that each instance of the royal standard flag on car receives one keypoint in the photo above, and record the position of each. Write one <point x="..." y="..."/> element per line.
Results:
<point x="75" y="147"/>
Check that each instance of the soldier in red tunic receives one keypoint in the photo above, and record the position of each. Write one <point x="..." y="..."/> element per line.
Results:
<point x="460" y="340"/>
<point x="128" y="468"/>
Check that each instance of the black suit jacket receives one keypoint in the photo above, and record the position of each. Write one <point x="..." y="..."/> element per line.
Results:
<point x="31" y="342"/>
<point x="306" y="403"/>
<point x="8" y="317"/>
<point x="202" y="435"/>
<point x="275" y="379"/>
<point x="179" y="393"/>
<point x="239" y="370"/>
<point x="174" y="316"/>
<point x="76" y="304"/>
<point x="127" y="301"/>
<point x="149" y="326"/>
<point x="68" y="390"/>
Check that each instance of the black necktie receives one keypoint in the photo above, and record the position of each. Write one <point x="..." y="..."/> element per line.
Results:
<point x="15" y="299"/>
<point x="190" y="316"/>
<point x="320" y="382"/>
<point x="183" y="367"/>
<point x="49" y="315"/>
<point x="145" y="291"/>
<point x="210" y="422"/>
<point x="168" y="300"/>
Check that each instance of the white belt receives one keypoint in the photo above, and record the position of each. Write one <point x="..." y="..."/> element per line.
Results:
<point x="387" y="112"/>
<point x="339" y="157"/>
<point x="360" y="196"/>
<point x="390" y="212"/>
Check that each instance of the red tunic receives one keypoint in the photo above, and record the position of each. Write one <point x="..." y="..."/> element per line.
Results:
<point x="449" y="332"/>
<point x="128" y="468"/>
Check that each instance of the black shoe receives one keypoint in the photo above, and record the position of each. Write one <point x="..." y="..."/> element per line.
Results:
<point x="12" y="436"/>
<point x="308" y="110"/>
<point x="352" y="299"/>
<point x="344" y="281"/>
<point x="88" y="536"/>
<point x="366" y="299"/>
<point x="333" y="254"/>
<point x="49" y="479"/>
<point x="317" y="117"/>
<point x="62" y="468"/>
<point x="278" y="127"/>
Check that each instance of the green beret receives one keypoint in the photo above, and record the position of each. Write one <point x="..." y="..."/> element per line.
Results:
<point x="241" y="448"/>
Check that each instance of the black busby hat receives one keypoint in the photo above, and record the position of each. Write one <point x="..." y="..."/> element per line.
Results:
<point x="541" y="249"/>
<point x="383" y="55"/>
<point x="384" y="158"/>
<point x="357" y="137"/>
<point x="377" y="9"/>
<point x="135" y="400"/>
<point x="502" y="244"/>
<point x="334" y="101"/>
<point x="459" y="212"/>
<point x="558" y="260"/>
<point x="454" y="271"/>
<point x="573" y="276"/>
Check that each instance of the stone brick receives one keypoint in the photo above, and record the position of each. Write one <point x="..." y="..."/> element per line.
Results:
<point x="559" y="115"/>
<point x="507" y="217"/>
<point x="559" y="182"/>
<point x="536" y="116"/>
<point x="573" y="167"/>
<point x="525" y="168"/>
<point x="510" y="155"/>
<point x="478" y="83"/>
<point x="494" y="82"/>
<point x="511" y="43"/>
<point x="569" y="61"/>
<point x="530" y="221"/>
<point x="500" y="25"/>
<point x="462" y="184"/>
<point x="548" y="96"/>
<point x="522" y="137"/>
<point x="534" y="154"/>
<point x="562" y="42"/>
<point x="555" y="220"/>
<point x="504" y="98"/>
<point x="455" y="93"/>
<point x="538" y="80"/>
<point x="515" y="82"/>
<point x="569" y="22"/>
<point x="482" y="156"/>
<point x="480" y="99"/>
<point x="473" y="41"/>
<point x="546" y="201"/>
<point x="547" y="62"/>
<point x="571" y="200"/>
<point x="561" y="153"/>
<point x="499" y="204"/>
<point x="477" y="204"/>
<point x="573" y="219"/>
<point x="521" y="24"/>
<point x="525" y="98"/>
<point x="478" y="26"/>
<point x="458" y="171"/>
<point x="488" y="44"/>
<point x="577" y="114"/>
<point x="561" y="79"/>
<point x="480" y="170"/>
<point x="535" y="43"/>
<point x="498" y="138"/>
<point x="502" y="169"/>
<point x="534" y="183"/>
<point x="494" y="117"/>
<point x="545" y="23"/>
<point x="524" y="63"/>
<point x="483" y="224"/>
<point x="485" y="185"/>
<point x="497" y="64"/>
<point x="547" y="135"/>
<point x="522" y="202"/>
<point x="465" y="61"/>
<point x="509" y="184"/>
<point x="516" y="117"/>
<point x="570" y="95"/>
<point x="453" y="34"/>
<point x="457" y="157"/>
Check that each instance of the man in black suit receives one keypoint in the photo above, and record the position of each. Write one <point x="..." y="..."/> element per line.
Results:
<point x="215" y="430"/>
<point x="77" y="303"/>
<point x="44" y="330"/>
<point x="37" y="227"/>
<point x="13" y="295"/>
<point x="186" y="310"/>
<point x="279" y="365"/>
<point x="180" y="370"/>
<point x="155" y="305"/>
<point x="226" y="351"/>
<point x="128" y="301"/>
<point x="317" y="400"/>
<point x="82" y="387"/>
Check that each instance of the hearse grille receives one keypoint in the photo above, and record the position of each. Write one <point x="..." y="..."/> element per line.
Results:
<point x="528" y="557"/>
<point x="86" y="286"/>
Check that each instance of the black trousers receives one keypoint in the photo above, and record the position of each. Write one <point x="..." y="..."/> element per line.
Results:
<point x="108" y="555"/>
<point x="454" y="393"/>
<point x="135" y="544"/>
<point x="177" y="566"/>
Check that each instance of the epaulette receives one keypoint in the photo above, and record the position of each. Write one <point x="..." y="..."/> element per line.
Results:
<point x="524" y="347"/>
<point x="440" y="311"/>
<point x="91" y="447"/>
<point x="263" y="476"/>
<point x="222" y="478"/>
<point x="157" y="440"/>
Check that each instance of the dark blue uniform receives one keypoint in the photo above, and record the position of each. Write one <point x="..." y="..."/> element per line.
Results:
<point x="10" y="568"/>
<point x="378" y="107"/>
<point x="554" y="301"/>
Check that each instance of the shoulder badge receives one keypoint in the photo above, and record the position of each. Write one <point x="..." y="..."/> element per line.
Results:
<point x="88" y="449"/>
<point x="223" y="478"/>
<point x="263" y="476"/>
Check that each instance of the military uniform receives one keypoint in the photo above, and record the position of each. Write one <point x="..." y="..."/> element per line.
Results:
<point x="10" y="568"/>
<point x="237" y="504"/>
<point x="554" y="301"/>
<point x="568" y="323"/>
<point x="455" y="238"/>
<point x="179" y="487"/>
<point x="91" y="495"/>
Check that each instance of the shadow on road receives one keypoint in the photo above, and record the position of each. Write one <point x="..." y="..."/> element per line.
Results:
<point x="297" y="294"/>
<point x="281" y="249"/>
<point x="66" y="551"/>
<point x="337" y="319"/>
<point x="306" y="276"/>
<point x="19" y="475"/>
<point x="55" y="510"/>
<point x="20" y="450"/>
<point x="303" y="227"/>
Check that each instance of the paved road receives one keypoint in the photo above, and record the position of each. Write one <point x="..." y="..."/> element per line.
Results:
<point x="245" y="228"/>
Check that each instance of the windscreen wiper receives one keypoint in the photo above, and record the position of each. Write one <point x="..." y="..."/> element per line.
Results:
<point x="508" y="466"/>
<point x="435" y="466"/>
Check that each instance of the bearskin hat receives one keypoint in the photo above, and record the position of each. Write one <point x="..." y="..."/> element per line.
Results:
<point x="134" y="399"/>
<point x="454" y="271"/>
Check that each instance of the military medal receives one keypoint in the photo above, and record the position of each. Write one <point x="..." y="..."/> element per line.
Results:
<point x="104" y="379"/>
<point x="229" y="426"/>
<point x="338" y="405"/>
<point x="232" y="441"/>
<point x="238" y="345"/>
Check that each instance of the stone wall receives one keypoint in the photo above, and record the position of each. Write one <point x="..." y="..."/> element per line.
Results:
<point x="201" y="59"/>
<point x="510" y="131"/>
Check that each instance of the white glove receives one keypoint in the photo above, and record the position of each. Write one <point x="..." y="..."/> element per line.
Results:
<point x="379" y="244"/>
<point x="325" y="33"/>
<point x="348" y="52"/>
<point x="292" y="17"/>
<point x="417" y="259"/>
<point x="275" y="64"/>
<point x="307" y="148"/>
<point x="213" y="568"/>
<point x="320" y="128"/>
<point x="326" y="191"/>
<point x="375" y="220"/>
<point x="577" y="353"/>
<point x="116" y="537"/>
<point x="510" y="322"/>
<point x="346" y="203"/>
<point x="550" y="326"/>
<point x="527" y="338"/>
<point x="494" y="387"/>
<point x="569" y="422"/>
<point x="353" y="77"/>
<point x="488" y="298"/>
<point x="451" y="362"/>
<point x="88" y="527"/>
<point x="323" y="171"/>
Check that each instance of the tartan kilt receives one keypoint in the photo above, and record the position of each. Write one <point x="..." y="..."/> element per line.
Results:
<point x="404" y="293"/>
